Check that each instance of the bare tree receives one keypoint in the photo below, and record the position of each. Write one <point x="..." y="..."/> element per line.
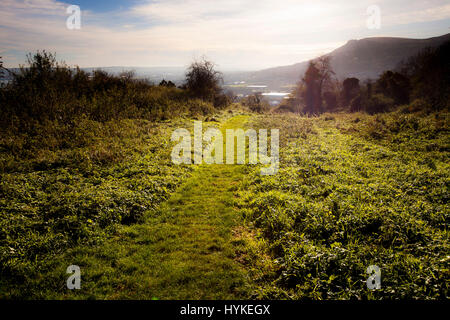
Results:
<point x="318" y="77"/>
<point x="326" y="75"/>
<point x="311" y="85"/>
<point x="202" y="80"/>
<point x="350" y="89"/>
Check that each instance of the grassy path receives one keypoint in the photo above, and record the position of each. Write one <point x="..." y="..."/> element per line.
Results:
<point x="341" y="201"/>
<point x="185" y="250"/>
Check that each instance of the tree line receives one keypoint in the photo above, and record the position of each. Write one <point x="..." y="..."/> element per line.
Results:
<point x="422" y="81"/>
<point x="47" y="90"/>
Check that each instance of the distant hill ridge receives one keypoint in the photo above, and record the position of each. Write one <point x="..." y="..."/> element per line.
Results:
<point x="363" y="59"/>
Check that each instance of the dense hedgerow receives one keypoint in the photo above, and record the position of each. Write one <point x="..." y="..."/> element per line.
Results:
<point x="354" y="191"/>
<point x="46" y="90"/>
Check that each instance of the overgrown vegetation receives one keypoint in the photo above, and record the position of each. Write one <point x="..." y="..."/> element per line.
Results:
<point x="54" y="197"/>
<point x="47" y="90"/>
<point x="167" y="254"/>
<point x="81" y="155"/>
<point x="256" y="103"/>
<point x="204" y="82"/>
<point x="355" y="190"/>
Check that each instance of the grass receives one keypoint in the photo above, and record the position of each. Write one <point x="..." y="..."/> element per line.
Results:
<point x="80" y="195"/>
<point x="348" y="196"/>
<point x="186" y="249"/>
<point x="353" y="190"/>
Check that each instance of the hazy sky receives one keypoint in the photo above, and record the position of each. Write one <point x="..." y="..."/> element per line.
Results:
<point x="236" y="34"/>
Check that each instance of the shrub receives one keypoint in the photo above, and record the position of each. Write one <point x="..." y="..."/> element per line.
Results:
<point x="221" y="101"/>
<point x="416" y="106"/>
<point x="355" y="104"/>
<point x="331" y="101"/>
<point x="285" y="107"/>
<point x="350" y="90"/>
<point x="202" y="80"/>
<point x="256" y="103"/>
<point x="378" y="103"/>
<point x="395" y="86"/>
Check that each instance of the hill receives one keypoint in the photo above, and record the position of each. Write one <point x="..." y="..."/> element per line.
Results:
<point x="363" y="59"/>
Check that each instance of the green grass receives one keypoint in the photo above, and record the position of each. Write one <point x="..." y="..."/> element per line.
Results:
<point x="58" y="198"/>
<point x="346" y="198"/>
<point x="352" y="190"/>
<point x="186" y="249"/>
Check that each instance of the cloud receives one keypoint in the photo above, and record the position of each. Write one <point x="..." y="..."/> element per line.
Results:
<point x="423" y="15"/>
<point x="235" y="33"/>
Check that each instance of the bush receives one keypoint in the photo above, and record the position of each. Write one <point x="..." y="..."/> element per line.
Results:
<point x="355" y="104"/>
<point x="395" y="86"/>
<point x="256" y="103"/>
<point x="378" y="103"/>
<point x="416" y="106"/>
<point x="284" y="108"/>
<point x="203" y="81"/>
<point x="428" y="73"/>
<point x="221" y="101"/>
<point x="331" y="101"/>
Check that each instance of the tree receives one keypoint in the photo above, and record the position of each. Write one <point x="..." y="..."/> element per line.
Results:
<point x="256" y="103"/>
<point x="202" y="80"/>
<point x="355" y="104"/>
<point x="310" y="93"/>
<point x="127" y="75"/>
<point x="330" y="100"/>
<point x="317" y="77"/>
<point x="168" y="84"/>
<point x="350" y="90"/>
<point x="326" y="74"/>
<point x="429" y="74"/>
<point x="378" y="103"/>
<point x="369" y="88"/>
<point x="394" y="85"/>
<point x="1" y="71"/>
<point x="295" y="99"/>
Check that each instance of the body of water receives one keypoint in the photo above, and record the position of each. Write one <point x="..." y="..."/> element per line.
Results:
<point x="276" y="94"/>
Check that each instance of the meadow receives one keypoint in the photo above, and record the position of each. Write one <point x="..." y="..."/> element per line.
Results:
<point x="354" y="190"/>
<point x="57" y="198"/>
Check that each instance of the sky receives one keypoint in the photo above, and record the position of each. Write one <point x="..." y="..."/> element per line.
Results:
<point x="235" y="34"/>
